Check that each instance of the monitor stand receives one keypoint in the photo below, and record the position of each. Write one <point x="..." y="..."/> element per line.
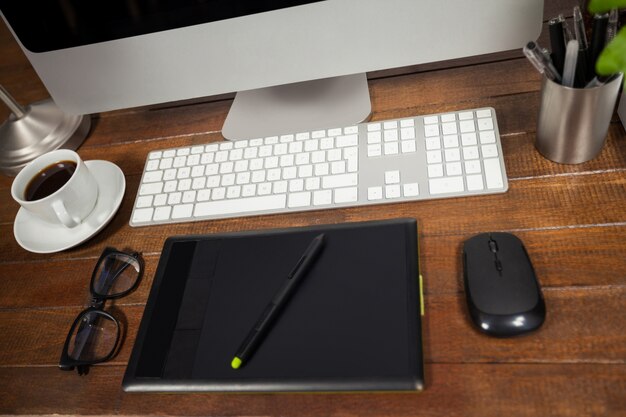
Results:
<point x="300" y="107"/>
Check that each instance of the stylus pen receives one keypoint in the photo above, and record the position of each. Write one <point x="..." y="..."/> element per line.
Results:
<point x="579" y="29"/>
<point x="611" y="28"/>
<point x="598" y="38"/>
<point x="571" y="59"/>
<point x="541" y="62"/>
<point x="272" y="311"/>
<point x="557" y="43"/>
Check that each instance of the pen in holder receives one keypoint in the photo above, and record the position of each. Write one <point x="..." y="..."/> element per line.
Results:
<point x="573" y="122"/>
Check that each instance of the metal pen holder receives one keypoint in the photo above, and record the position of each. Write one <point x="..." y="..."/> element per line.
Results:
<point x="573" y="122"/>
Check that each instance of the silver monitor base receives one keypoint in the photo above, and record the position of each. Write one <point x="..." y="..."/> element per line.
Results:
<point x="299" y="107"/>
<point x="36" y="129"/>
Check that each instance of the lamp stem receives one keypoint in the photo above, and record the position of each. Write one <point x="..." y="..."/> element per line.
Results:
<point x="13" y="105"/>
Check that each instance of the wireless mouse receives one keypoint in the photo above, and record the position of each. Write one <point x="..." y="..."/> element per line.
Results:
<point x="503" y="294"/>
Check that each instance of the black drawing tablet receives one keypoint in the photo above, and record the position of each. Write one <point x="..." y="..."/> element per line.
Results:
<point x="352" y="325"/>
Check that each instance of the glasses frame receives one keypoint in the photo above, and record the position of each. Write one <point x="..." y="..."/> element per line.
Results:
<point x="96" y="306"/>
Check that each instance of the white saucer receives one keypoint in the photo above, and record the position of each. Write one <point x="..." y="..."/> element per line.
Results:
<point x="39" y="236"/>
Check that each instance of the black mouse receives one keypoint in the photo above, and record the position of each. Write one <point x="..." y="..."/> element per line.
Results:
<point x="503" y="294"/>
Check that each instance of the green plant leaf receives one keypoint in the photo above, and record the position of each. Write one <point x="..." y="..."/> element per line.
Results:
<point x="613" y="58"/>
<point x="601" y="6"/>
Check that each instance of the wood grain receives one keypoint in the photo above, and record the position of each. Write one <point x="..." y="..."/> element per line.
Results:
<point x="572" y="219"/>
<point x="487" y="390"/>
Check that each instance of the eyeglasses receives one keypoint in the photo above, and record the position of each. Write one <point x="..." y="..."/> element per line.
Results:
<point x="95" y="335"/>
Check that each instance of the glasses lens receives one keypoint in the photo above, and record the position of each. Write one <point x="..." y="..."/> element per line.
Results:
<point x="94" y="337"/>
<point x="116" y="274"/>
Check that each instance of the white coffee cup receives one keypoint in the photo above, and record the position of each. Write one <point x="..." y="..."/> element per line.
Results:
<point x="71" y="203"/>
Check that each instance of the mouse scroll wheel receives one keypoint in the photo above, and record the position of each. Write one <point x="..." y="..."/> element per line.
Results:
<point x="493" y="246"/>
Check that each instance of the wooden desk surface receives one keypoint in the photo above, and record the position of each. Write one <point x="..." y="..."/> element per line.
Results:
<point x="571" y="218"/>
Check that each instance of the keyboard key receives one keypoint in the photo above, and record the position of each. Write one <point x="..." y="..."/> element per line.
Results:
<point x="152" y="165"/>
<point x="151" y="188"/>
<point x="433" y="143"/>
<point x="475" y="182"/>
<point x="374" y="193"/>
<point x="280" y="187"/>
<point x="374" y="150"/>
<point x="450" y="141"/>
<point x="322" y="197"/>
<point x="407" y="123"/>
<point x="453" y="154"/>
<point x="407" y="133"/>
<point x="483" y="113"/>
<point x="301" y="199"/>
<point x="346" y="195"/>
<point x="472" y="167"/>
<point x="470" y="152"/>
<point x="144" y="201"/>
<point x="182" y="211"/>
<point x="489" y="151"/>
<point x="453" y="169"/>
<point x="391" y="148"/>
<point x="160" y="200"/>
<point x="233" y="191"/>
<point x="240" y="206"/>
<point x="468" y="139"/>
<point x="313" y="183"/>
<point x="488" y="136"/>
<point x="446" y="185"/>
<point x="336" y="181"/>
<point x="166" y="163"/>
<point x="429" y="120"/>
<point x="450" y="117"/>
<point x="431" y="130"/>
<point x="390" y="135"/>
<point x="435" y="170"/>
<point x="408" y="146"/>
<point x="372" y="127"/>
<point x="300" y="136"/>
<point x="264" y="188"/>
<point x="152" y="176"/>
<point x="203" y="195"/>
<point x="411" y="189"/>
<point x="485" y="124"/>
<point x="467" y="126"/>
<point x="433" y="157"/>
<point x="162" y="213"/>
<point x="374" y="137"/>
<point x="174" y="198"/>
<point x="349" y="140"/>
<point x="189" y="196"/>
<point x="493" y="173"/>
<point x="142" y="215"/>
<point x="392" y="191"/>
<point x="392" y="177"/>
<point x="449" y="128"/>
<point x="466" y="115"/>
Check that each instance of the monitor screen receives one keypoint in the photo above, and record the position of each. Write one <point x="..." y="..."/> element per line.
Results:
<point x="101" y="55"/>
<point x="51" y="25"/>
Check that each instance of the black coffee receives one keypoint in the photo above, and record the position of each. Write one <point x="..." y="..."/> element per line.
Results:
<point x="49" y="180"/>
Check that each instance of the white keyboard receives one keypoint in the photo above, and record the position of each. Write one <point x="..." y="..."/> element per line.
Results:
<point x="416" y="158"/>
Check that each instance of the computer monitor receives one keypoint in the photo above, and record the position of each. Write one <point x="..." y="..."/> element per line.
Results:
<point x="103" y="55"/>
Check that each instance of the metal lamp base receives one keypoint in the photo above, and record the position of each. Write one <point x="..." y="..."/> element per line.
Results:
<point x="42" y="128"/>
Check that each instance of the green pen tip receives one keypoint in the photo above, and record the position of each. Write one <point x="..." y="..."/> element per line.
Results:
<point x="236" y="363"/>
